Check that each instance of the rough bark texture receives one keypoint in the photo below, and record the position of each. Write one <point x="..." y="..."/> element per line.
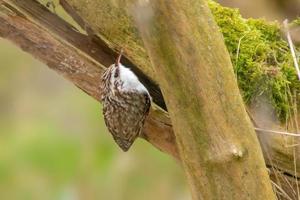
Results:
<point x="33" y="28"/>
<point x="217" y="143"/>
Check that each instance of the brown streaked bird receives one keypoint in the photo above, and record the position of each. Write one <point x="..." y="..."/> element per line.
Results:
<point x="126" y="103"/>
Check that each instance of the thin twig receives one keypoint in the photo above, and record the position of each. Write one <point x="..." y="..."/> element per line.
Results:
<point x="238" y="49"/>
<point x="281" y="190"/>
<point x="291" y="45"/>
<point x="238" y="53"/>
<point x="260" y="130"/>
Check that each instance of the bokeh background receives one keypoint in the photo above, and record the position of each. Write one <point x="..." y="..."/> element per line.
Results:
<point x="54" y="144"/>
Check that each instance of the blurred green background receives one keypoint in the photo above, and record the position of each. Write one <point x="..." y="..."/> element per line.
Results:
<point x="54" y="144"/>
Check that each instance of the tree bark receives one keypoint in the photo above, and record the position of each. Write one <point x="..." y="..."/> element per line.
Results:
<point x="217" y="143"/>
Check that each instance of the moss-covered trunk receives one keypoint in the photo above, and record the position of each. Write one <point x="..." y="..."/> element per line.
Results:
<point x="217" y="144"/>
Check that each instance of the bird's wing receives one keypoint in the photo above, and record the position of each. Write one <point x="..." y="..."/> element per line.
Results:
<point x="125" y="116"/>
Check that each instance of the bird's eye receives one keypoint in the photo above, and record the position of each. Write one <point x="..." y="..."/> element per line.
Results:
<point x="116" y="75"/>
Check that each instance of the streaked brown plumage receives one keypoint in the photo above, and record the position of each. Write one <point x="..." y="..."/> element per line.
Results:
<point x="126" y="104"/>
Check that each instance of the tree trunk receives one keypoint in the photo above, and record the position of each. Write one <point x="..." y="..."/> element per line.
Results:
<point x="217" y="143"/>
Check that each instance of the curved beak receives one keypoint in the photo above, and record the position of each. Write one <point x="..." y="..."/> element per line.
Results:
<point x="119" y="58"/>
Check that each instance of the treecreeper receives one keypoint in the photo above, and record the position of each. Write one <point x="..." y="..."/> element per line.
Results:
<point x="126" y="103"/>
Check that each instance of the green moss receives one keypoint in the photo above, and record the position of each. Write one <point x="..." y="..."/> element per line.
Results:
<point x="261" y="58"/>
<point x="296" y="21"/>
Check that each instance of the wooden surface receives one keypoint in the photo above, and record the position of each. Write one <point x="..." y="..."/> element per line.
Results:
<point x="217" y="144"/>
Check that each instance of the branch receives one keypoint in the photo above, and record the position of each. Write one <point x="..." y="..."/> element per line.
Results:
<point x="92" y="46"/>
<point x="59" y="56"/>
<point x="73" y="64"/>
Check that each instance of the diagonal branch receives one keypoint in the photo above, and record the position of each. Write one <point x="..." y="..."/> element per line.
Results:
<point x="74" y="64"/>
<point x="60" y="57"/>
<point x="92" y="46"/>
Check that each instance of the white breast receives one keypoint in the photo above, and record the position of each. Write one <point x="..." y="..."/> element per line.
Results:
<point x="130" y="80"/>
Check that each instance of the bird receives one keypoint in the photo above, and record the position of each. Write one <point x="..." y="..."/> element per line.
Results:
<point x="126" y="103"/>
